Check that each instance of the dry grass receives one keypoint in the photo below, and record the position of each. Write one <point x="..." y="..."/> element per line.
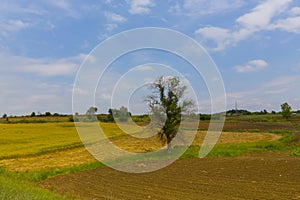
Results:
<point x="33" y="147"/>
<point x="17" y="140"/>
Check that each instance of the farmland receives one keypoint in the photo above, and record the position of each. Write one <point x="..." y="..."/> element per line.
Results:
<point x="263" y="176"/>
<point x="33" y="153"/>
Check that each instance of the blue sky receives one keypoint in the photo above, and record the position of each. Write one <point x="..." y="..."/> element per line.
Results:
<point x="256" y="46"/>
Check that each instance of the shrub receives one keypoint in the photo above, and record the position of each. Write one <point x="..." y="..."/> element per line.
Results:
<point x="296" y="152"/>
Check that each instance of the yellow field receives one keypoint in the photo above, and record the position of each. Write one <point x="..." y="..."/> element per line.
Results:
<point x="18" y="140"/>
<point x="31" y="147"/>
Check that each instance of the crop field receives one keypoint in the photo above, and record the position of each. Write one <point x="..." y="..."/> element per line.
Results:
<point x="50" y="156"/>
<point x="263" y="176"/>
<point x="30" y="147"/>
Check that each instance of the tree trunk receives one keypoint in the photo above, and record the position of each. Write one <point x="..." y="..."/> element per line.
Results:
<point x="169" y="147"/>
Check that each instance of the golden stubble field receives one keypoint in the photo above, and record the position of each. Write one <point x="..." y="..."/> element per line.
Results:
<point x="42" y="146"/>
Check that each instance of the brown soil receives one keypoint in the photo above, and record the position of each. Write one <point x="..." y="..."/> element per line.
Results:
<point x="251" y="126"/>
<point x="273" y="175"/>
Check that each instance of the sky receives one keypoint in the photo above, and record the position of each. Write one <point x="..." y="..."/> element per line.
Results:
<point x="255" y="45"/>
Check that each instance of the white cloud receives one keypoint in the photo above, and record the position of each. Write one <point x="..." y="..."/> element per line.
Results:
<point x="46" y="8"/>
<point x="110" y="27"/>
<point x="15" y="8"/>
<point x="261" y="15"/>
<point x="61" y="4"/>
<point x="282" y="81"/>
<point x="22" y="95"/>
<point x="238" y="95"/>
<point x="67" y="6"/>
<point x="205" y="7"/>
<point x="106" y="97"/>
<point x="12" y="26"/>
<point x="41" y="67"/>
<point x="291" y="25"/>
<point x="145" y="68"/>
<point x="260" y="18"/>
<point x="103" y="36"/>
<point x="268" y="95"/>
<point x="176" y="9"/>
<point x="281" y="85"/>
<point x="114" y="17"/>
<point x="252" y="66"/>
<point x="59" y="68"/>
<point x="140" y="6"/>
<point x="295" y="11"/>
<point x="30" y="84"/>
<point x="221" y="36"/>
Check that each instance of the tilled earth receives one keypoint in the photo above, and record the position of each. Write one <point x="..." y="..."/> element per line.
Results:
<point x="272" y="175"/>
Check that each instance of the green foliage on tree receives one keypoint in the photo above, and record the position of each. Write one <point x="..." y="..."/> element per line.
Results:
<point x="74" y="118"/>
<point x="32" y="114"/>
<point x="4" y="115"/>
<point x="47" y="114"/>
<point x="91" y="113"/>
<point x="204" y="117"/>
<point x="167" y="106"/>
<point x="121" y="114"/>
<point x="110" y="116"/>
<point x="286" y="110"/>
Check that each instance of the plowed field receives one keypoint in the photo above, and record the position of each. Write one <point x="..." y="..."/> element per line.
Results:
<point x="274" y="175"/>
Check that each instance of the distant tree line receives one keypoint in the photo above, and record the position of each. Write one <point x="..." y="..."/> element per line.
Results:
<point x="241" y="112"/>
<point x="46" y="114"/>
<point x="113" y="115"/>
<point x="34" y="114"/>
<point x="122" y="114"/>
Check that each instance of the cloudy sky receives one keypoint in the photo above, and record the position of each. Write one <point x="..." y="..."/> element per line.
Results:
<point x="255" y="44"/>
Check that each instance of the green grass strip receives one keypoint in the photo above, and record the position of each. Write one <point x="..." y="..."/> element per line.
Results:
<point x="13" y="186"/>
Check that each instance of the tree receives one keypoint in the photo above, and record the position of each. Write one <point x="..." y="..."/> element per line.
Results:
<point x="273" y="112"/>
<point x="90" y="113"/>
<point x="167" y="106"/>
<point x="47" y="114"/>
<point x="286" y="111"/>
<point x="32" y="114"/>
<point x="74" y="118"/>
<point x="4" y="115"/>
<point x="121" y="114"/>
<point x="110" y="116"/>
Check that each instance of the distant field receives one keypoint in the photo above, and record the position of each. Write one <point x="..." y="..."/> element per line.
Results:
<point x="36" y="119"/>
